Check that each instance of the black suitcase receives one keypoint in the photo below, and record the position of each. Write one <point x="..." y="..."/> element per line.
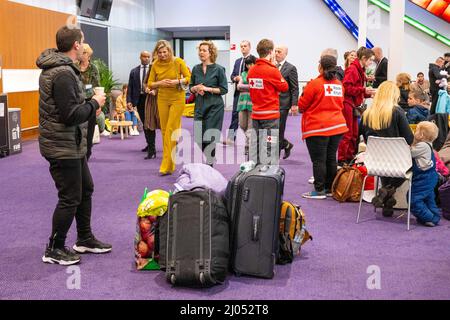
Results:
<point x="254" y="202"/>
<point x="194" y="239"/>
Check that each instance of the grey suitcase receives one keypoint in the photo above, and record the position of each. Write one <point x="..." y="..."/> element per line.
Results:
<point x="254" y="202"/>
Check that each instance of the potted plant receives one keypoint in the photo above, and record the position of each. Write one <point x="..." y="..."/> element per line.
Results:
<point x="107" y="81"/>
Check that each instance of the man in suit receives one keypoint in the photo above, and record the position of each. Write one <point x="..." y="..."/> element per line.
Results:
<point x="137" y="95"/>
<point x="288" y="99"/>
<point x="434" y="74"/>
<point x="381" y="72"/>
<point x="235" y="78"/>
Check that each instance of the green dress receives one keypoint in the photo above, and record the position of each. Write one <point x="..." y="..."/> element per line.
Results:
<point x="245" y="102"/>
<point x="91" y="79"/>
<point x="209" y="108"/>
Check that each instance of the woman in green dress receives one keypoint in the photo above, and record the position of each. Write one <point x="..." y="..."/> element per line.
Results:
<point x="208" y="83"/>
<point x="90" y="77"/>
<point x="245" y="102"/>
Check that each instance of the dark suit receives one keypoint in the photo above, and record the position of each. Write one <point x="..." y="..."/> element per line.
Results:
<point x="136" y="96"/>
<point x="287" y="99"/>
<point x="237" y="70"/>
<point x="434" y="74"/>
<point x="381" y="73"/>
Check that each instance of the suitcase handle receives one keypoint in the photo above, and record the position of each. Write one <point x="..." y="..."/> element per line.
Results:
<point x="256" y="228"/>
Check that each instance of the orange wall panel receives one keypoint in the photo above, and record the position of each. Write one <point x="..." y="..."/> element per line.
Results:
<point x="25" y="32"/>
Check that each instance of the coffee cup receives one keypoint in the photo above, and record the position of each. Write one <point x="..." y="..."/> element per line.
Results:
<point x="99" y="90"/>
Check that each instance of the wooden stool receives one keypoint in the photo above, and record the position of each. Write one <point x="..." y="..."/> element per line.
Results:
<point x="120" y="125"/>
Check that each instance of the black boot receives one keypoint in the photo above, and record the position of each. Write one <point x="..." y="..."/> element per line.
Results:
<point x="151" y="153"/>
<point x="383" y="195"/>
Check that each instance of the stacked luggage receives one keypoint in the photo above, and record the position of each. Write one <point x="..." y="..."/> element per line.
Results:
<point x="205" y="233"/>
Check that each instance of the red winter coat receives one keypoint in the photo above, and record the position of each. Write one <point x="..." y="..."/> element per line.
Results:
<point x="355" y="84"/>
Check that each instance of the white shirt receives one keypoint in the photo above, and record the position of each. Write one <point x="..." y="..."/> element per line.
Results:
<point x="141" y="74"/>
<point x="281" y="64"/>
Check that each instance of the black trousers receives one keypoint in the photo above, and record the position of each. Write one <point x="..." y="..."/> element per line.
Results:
<point x="234" y="119"/>
<point x="434" y="101"/>
<point x="74" y="183"/>
<point x="322" y="151"/>
<point x="283" y="120"/>
<point x="150" y="135"/>
<point x="90" y="135"/>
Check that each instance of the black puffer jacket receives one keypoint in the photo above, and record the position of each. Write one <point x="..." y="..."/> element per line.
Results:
<point x="63" y="112"/>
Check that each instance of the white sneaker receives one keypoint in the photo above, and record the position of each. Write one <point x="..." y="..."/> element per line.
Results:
<point x="136" y="132"/>
<point x="311" y="180"/>
<point x="105" y="133"/>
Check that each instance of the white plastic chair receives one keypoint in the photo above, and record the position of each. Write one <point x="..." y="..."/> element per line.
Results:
<point x="388" y="157"/>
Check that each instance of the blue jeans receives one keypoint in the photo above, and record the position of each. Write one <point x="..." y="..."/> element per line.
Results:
<point x="130" y="116"/>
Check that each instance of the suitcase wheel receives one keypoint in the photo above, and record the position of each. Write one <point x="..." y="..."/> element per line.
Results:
<point x="173" y="279"/>
<point x="202" y="278"/>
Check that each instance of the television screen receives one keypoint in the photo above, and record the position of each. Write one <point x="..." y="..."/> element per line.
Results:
<point x="103" y="10"/>
<point x="440" y="8"/>
<point x="87" y="8"/>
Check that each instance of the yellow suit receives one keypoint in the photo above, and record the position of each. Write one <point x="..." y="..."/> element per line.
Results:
<point x="171" y="103"/>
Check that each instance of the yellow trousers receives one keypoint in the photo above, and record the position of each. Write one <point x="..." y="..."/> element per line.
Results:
<point x="170" y="113"/>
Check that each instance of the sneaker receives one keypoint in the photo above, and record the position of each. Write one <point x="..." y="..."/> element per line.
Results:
<point x="105" y="133"/>
<point x="311" y="180"/>
<point x="315" y="195"/>
<point x="228" y="142"/>
<point x="328" y="193"/>
<point x="92" y="245"/>
<point x="64" y="256"/>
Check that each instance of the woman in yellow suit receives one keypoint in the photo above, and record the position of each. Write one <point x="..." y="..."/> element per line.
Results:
<point x="169" y="75"/>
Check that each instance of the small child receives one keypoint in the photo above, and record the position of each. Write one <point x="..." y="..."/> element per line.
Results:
<point x="425" y="177"/>
<point x="124" y="113"/>
<point x="418" y="102"/>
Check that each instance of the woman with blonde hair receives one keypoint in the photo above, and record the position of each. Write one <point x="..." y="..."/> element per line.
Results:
<point x="404" y="84"/>
<point x="90" y="77"/>
<point x="386" y="119"/>
<point x="170" y="76"/>
<point x="209" y="84"/>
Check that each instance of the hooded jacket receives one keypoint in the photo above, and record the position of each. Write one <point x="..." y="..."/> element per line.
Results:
<point x="354" y="84"/>
<point x="417" y="114"/>
<point x="63" y="112"/>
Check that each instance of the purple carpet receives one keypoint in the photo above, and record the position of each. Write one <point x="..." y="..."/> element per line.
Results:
<point x="338" y="264"/>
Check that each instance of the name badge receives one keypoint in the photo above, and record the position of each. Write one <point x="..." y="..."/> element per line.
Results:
<point x="88" y="87"/>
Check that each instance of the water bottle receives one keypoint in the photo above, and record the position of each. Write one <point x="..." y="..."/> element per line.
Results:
<point x="247" y="166"/>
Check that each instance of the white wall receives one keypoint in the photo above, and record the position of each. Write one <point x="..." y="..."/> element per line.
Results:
<point x="420" y="49"/>
<point x="306" y="26"/>
<point x="298" y="24"/>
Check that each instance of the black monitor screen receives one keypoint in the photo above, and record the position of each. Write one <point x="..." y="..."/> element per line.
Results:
<point x="87" y="8"/>
<point x="103" y="9"/>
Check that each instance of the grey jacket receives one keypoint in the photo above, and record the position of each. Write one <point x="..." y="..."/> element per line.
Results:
<point x="57" y="139"/>
<point x="290" y="97"/>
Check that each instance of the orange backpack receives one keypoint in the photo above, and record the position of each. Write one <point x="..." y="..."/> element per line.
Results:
<point x="293" y="233"/>
<point x="347" y="185"/>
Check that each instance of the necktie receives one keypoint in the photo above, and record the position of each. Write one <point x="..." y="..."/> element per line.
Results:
<point x="278" y="66"/>
<point x="144" y="73"/>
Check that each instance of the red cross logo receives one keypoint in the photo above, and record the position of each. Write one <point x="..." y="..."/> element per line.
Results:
<point x="329" y="90"/>
<point x="252" y="83"/>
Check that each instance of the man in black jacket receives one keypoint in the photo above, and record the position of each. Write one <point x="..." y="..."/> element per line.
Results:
<point x="137" y="95"/>
<point x="381" y="72"/>
<point x="434" y="75"/>
<point x="63" y="117"/>
<point x="288" y="99"/>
